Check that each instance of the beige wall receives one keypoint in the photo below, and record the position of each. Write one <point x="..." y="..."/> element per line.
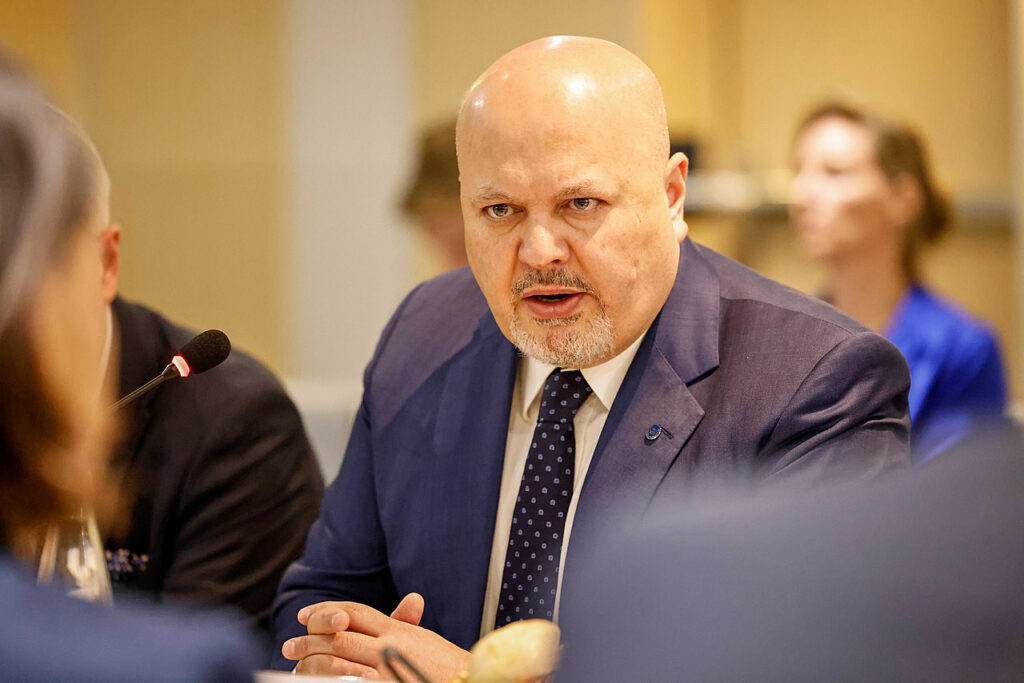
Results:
<point x="184" y="103"/>
<point x="39" y="33"/>
<point x="942" y="64"/>
<point x="693" y="48"/>
<point x="455" y="40"/>
<point x="740" y="73"/>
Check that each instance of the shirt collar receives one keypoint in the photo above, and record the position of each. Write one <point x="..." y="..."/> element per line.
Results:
<point x="108" y="344"/>
<point x="605" y="379"/>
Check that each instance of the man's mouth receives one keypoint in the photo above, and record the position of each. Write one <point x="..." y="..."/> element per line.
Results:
<point x="553" y="305"/>
<point x="549" y="298"/>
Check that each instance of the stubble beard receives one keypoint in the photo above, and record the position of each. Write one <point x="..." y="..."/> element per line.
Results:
<point x="569" y="342"/>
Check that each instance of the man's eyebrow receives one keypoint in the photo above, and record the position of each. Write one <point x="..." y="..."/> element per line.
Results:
<point x="584" y="188"/>
<point x="488" y="195"/>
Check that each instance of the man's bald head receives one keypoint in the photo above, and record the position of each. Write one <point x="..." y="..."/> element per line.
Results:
<point x="572" y="208"/>
<point x="97" y="178"/>
<point x="97" y="215"/>
<point x="569" y="82"/>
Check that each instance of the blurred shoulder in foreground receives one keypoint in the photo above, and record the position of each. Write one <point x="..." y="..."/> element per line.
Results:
<point x="46" y="636"/>
<point x="918" y="578"/>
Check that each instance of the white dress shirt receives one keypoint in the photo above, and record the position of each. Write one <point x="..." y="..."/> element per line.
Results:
<point x="605" y="380"/>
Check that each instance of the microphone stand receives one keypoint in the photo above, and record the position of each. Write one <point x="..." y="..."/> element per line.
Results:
<point x="170" y="372"/>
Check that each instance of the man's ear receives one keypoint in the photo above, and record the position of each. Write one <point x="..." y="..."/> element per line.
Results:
<point x="110" y="259"/>
<point x="675" y="191"/>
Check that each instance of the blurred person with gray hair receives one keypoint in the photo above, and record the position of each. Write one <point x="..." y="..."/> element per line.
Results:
<point x="56" y="427"/>
<point x="864" y="205"/>
<point x="217" y="471"/>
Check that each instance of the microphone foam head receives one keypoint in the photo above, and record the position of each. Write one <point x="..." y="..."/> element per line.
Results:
<point x="206" y="350"/>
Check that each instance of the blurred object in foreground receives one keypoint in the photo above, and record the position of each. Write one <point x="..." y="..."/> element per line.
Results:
<point x="912" y="579"/>
<point x="525" y="651"/>
<point x="73" y="557"/>
<point x="522" y="652"/>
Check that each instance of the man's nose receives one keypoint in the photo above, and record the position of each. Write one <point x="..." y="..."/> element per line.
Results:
<point x="542" y="245"/>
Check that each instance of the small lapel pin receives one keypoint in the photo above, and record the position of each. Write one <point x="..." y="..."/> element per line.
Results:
<point x="654" y="431"/>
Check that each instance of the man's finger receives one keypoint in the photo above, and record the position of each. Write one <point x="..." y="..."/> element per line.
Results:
<point x="364" y="619"/>
<point x="333" y="666"/>
<point x="327" y="620"/>
<point x="303" y="616"/>
<point x="410" y="609"/>
<point x="356" y="647"/>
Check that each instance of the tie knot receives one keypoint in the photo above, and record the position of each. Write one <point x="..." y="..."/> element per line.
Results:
<point x="564" y="393"/>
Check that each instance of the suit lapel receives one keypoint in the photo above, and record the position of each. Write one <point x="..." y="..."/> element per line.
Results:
<point x="680" y="347"/>
<point x="469" y="443"/>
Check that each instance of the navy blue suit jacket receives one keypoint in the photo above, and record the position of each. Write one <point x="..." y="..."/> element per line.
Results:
<point x="753" y="380"/>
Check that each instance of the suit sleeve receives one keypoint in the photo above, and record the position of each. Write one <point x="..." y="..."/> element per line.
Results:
<point x="848" y="419"/>
<point x="346" y="552"/>
<point x="247" y="502"/>
<point x="345" y="556"/>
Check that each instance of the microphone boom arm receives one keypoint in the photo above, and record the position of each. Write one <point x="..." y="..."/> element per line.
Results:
<point x="170" y="372"/>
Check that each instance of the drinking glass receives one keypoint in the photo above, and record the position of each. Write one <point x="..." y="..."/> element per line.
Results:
<point x="73" y="557"/>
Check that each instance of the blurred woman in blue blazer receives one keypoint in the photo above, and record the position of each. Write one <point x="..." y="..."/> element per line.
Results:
<point x="863" y="205"/>
<point x="55" y="423"/>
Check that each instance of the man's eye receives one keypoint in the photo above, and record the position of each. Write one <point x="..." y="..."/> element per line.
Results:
<point x="498" y="210"/>
<point x="584" y="203"/>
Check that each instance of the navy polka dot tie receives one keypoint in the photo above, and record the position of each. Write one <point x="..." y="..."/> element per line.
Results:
<point x="529" y="581"/>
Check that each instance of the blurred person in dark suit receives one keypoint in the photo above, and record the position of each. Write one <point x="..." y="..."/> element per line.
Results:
<point x="913" y="579"/>
<point x="432" y="199"/>
<point x="221" y="478"/>
<point x="592" y="357"/>
<point x="864" y="204"/>
<point x="55" y="423"/>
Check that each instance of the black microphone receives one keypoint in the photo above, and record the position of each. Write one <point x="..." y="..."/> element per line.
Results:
<point x="205" y="351"/>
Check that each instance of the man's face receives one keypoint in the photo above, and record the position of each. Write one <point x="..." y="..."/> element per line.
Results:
<point x="569" y="233"/>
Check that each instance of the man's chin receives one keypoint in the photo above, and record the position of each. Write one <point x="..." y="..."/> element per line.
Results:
<point x="564" y="342"/>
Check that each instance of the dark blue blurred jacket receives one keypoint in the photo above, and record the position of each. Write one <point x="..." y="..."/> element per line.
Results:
<point x="46" y="636"/>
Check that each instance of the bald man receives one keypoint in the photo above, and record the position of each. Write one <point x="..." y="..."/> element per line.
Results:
<point x="217" y="473"/>
<point x="591" y="359"/>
